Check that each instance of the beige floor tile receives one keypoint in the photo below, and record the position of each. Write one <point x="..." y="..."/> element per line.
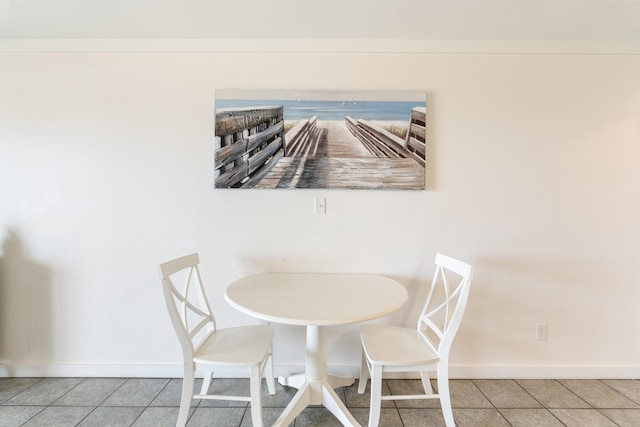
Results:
<point x="530" y="418"/>
<point x="623" y="417"/>
<point x="582" y="418"/>
<point x="629" y="388"/>
<point x="598" y="394"/>
<point x="479" y="418"/>
<point x="552" y="394"/>
<point x="506" y="394"/>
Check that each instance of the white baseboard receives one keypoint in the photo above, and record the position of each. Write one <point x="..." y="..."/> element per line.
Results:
<point x="98" y="370"/>
<point x="169" y="370"/>
<point x="546" y="371"/>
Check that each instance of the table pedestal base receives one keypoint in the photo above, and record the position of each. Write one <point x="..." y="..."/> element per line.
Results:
<point x="315" y="387"/>
<point x="316" y="393"/>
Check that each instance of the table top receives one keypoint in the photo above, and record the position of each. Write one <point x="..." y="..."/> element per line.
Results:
<point x="320" y="299"/>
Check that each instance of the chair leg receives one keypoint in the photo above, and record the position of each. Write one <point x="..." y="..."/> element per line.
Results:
<point x="187" y="395"/>
<point x="364" y="373"/>
<point x="256" y="400"/>
<point x="268" y="372"/>
<point x="206" y="382"/>
<point x="445" y="397"/>
<point x="376" y="395"/>
<point x="426" y="382"/>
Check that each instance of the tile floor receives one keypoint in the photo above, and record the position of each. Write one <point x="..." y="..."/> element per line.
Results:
<point x="154" y="402"/>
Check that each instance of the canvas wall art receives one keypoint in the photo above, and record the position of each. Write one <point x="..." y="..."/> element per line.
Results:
<point x="320" y="139"/>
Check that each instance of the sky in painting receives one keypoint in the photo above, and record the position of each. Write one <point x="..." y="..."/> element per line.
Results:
<point x="321" y="95"/>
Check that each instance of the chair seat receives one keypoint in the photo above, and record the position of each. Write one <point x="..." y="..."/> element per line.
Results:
<point x="395" y="346"/>
<point x="242" y="346"/>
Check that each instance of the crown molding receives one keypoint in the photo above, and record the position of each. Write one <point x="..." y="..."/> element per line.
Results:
<point x="407" y="46"/>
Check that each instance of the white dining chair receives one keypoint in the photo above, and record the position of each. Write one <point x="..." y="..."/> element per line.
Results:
<point x="426" y="348"/>
<point x="206" y="348"/>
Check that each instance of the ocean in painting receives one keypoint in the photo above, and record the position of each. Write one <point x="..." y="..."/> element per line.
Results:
<point x="331" y="110"/>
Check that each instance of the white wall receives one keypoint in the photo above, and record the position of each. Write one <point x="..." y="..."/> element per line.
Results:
<point x="533" y="175"/>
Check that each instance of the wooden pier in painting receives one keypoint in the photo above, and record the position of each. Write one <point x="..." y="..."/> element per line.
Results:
<point x="338" y="172"/>
<point x="340" y="160"/>
<point x="255" y="152"/>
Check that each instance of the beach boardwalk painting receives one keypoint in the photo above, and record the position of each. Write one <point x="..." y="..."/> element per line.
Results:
<point x="320" y="139"/>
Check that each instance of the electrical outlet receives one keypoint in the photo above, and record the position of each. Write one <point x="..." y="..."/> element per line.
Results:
<point x="542" y="331"/>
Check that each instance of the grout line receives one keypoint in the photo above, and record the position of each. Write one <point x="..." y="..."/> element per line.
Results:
<point x="575" y="393"/>
<point x="620" y="392"/>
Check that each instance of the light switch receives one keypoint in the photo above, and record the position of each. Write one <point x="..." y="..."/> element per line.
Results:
<point x="320" y="205"/>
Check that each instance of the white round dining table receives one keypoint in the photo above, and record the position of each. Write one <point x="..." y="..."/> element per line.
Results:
<point x="316" y="300"/>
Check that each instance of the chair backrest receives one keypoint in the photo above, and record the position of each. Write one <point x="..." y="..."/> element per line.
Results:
<point x="186" y="302"/>
<point x="445" y="304"/>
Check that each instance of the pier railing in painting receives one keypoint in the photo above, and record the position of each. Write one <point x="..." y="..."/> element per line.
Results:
<point x="417" y="134"/>
<point x="382" y="143"/>
<point x="248" y="143"/>
<point x="302" y="139"/>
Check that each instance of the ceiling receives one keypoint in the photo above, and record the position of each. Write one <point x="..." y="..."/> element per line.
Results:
<point x="499" y="20"/>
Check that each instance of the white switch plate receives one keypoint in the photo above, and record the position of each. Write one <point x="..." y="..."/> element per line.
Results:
<point x="320" y="205"/>
<point x="542" y="331"/>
